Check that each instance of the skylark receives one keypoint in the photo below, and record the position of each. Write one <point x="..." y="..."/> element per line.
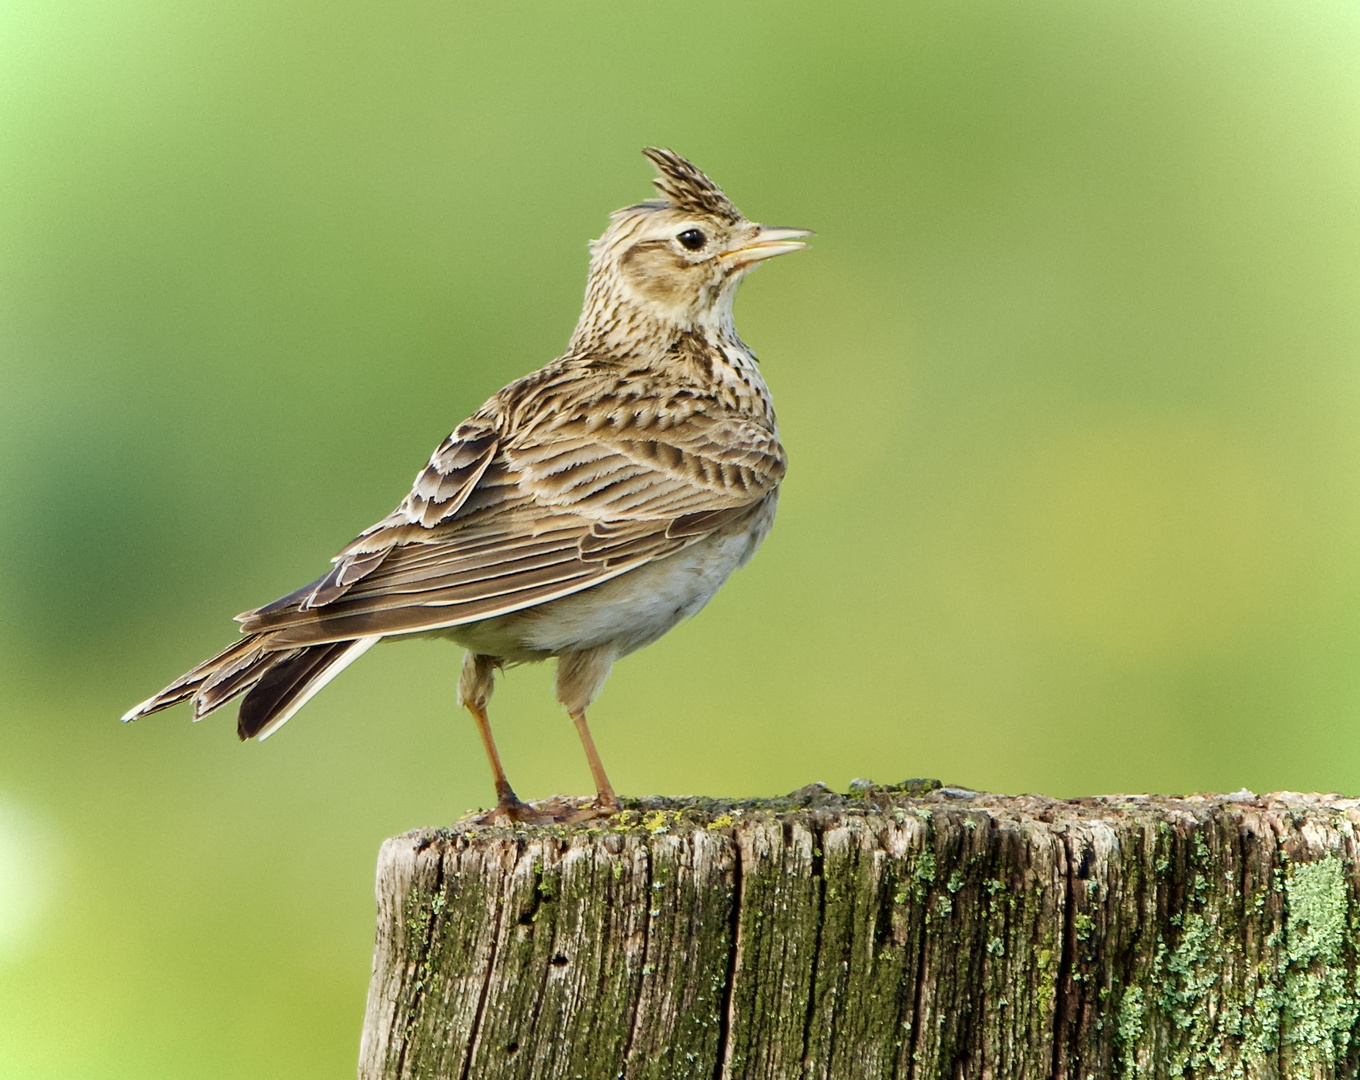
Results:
<point x="580" y="513"/>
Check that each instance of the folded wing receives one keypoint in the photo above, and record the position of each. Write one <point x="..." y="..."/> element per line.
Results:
<point x="510" y="514"/>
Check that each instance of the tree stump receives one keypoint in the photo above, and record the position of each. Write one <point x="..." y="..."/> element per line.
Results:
<point x="910" y="931"/>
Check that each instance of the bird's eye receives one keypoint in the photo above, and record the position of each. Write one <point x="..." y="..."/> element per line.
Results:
<point x="693" y="239"/>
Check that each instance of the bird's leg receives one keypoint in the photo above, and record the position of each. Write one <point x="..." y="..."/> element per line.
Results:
<point x="508" y="804"/>
<point x="580" y="675"/>
<point x="505" y="794"/>
<point x="606" y="802"/>
<point x="475" y="684"/>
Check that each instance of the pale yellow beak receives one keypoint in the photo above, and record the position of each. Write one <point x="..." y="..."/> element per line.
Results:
<point x="769" y="242"/>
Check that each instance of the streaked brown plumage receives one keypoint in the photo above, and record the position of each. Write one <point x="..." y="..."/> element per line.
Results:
<point x="580" y="513"/>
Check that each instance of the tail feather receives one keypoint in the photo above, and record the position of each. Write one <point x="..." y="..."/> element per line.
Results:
<point x="293" y="682"/>
<point x="226" y="679"/>
<point x="191" y="682"/>
<point x="276" y="683"/>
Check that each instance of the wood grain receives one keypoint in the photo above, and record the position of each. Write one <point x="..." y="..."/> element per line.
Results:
<point x="908" y="932"/>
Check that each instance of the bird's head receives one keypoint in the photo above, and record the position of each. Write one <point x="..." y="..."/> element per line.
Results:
<point x="673" y="263"/>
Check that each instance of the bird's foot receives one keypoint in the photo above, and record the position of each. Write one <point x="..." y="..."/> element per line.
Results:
<point x="598" y="809"/>
<point x="558" y="810"/>
<point x="511" y="811"/>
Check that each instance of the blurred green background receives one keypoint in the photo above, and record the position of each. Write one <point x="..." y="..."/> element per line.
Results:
<point x="1069" y="381"/>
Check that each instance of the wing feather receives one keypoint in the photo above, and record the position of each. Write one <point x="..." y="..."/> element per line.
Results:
<point x="538" y="496"/>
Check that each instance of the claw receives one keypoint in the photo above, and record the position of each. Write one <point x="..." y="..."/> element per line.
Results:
<point x="598" y="809"/>
<point x="555" y="811"/>
<point x="510" y="811"/>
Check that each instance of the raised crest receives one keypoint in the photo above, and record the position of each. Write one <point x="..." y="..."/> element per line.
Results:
<point x="686" y="187"/>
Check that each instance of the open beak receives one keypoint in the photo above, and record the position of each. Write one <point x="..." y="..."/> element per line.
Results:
<point x="769" y="242"/>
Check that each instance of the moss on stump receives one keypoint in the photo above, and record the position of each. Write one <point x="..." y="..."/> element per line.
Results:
<point x="909" y="931"/>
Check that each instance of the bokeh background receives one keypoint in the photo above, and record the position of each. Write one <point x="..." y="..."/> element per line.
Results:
<point x="1070" y="382"/>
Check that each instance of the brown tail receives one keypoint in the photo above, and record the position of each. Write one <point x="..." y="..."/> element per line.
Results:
<point x="275" y="684"/>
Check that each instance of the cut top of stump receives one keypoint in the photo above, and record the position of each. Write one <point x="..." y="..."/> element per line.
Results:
<point x="909" y="931"/>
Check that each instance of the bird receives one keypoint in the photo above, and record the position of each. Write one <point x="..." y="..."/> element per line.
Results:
<point x="582" y="512"/>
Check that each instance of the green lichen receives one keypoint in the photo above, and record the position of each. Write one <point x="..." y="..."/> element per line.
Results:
<point x="1130" y="1027"/>
<point x="1185" y="996"/>
<point x="1294" y="1015"/>
<point x="923" y="874"/>
<point x="416" y="911"/>
<point x="1192" y="975"/>
<point x="1321" y="1005"/>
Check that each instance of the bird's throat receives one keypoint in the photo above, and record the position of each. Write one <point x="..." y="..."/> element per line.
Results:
<point x="614" y="322"/>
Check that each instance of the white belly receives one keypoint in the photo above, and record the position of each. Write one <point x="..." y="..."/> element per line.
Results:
<point x="629" y="611"/>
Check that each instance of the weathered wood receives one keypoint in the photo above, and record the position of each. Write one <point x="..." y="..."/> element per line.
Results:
<point x="896" y="932"/>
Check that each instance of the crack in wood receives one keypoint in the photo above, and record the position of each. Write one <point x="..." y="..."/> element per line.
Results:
<point x="1069" y="930"/>
<point x="475" y="1028"/>
<point x="918" y="995"/>
<point x="819" y="884"/>
<point x="722" y="1068"/>
<point x="648" y="881"/>
<point x="537" y="909"/>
